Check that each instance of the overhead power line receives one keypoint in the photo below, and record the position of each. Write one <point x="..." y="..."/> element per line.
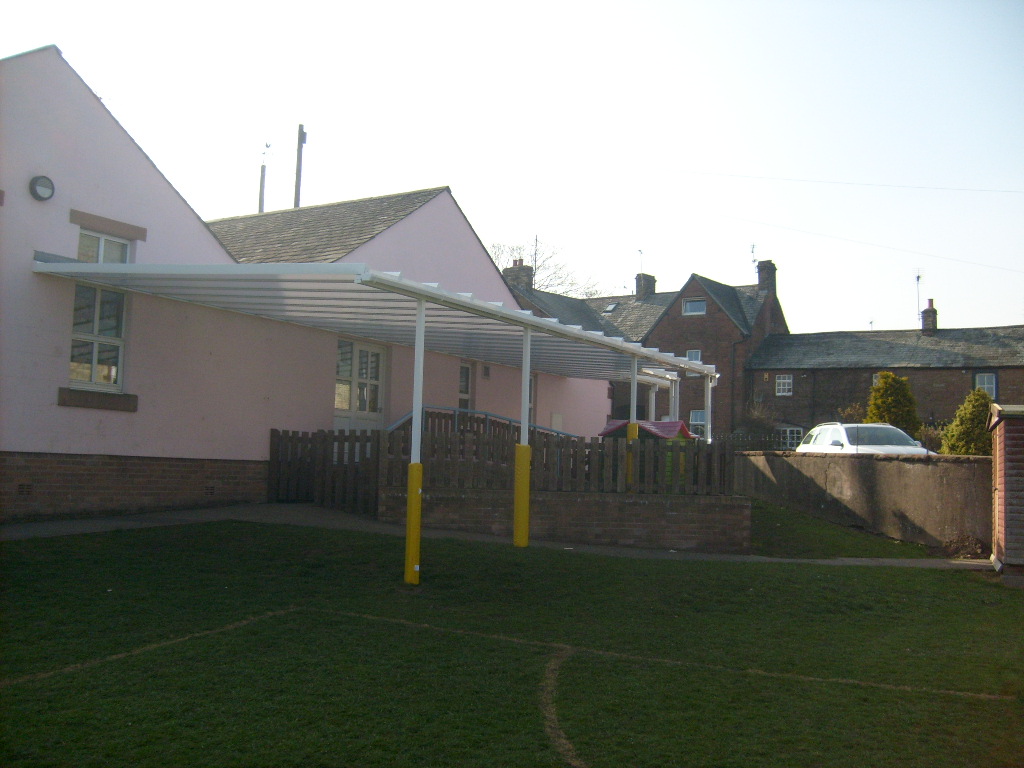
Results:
<point x="878" y="245"/>
<point x="859" y="183"/>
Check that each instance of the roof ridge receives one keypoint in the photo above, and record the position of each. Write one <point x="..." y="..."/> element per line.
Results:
<point x="435" y="190"/>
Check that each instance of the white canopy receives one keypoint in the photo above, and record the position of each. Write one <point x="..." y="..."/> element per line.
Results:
<point x="354" y="300"/>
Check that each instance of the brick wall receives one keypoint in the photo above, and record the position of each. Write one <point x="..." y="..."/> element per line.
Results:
<point x="693" y="523"/>
<point x="35" y="485"/>
<point x="1007" y="424"/>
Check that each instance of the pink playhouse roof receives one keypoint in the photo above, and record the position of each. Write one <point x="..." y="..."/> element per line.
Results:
<point x="662" y="429"/>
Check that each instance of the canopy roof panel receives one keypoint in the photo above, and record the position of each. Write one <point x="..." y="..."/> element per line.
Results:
<point x="354" y="300"/>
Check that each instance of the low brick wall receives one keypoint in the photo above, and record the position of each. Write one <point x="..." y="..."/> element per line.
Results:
<point x="930" y="500"/>
<point x="38" y="485"/>
<point x="693" y="523"/>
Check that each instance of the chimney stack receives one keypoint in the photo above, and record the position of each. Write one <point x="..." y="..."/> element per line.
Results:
<point x="930" y="319"/>
<point x="766" y="276"/>
<point x="519" y="275"/>
<point x="644" y="286"/>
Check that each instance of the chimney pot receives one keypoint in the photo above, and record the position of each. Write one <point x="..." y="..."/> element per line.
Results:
<point x="644" y="286"/>
<point x="929" y="319"/>
<point x="766" y="276"/>
<point x="519" y="275"/>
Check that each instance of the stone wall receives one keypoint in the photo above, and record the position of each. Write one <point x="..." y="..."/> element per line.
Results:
<point x="39" y="485"/>
<point x="693" y="523"/>
<point x="930" y="500"/>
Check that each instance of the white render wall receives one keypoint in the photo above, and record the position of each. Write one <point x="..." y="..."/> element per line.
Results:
<point x="436" y="244"/>
<point x="210" y="383"/>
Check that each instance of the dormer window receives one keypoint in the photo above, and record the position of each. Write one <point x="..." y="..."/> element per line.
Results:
<point x="695" y="306"/>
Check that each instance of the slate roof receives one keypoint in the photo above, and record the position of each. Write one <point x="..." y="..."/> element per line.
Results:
<point x="316" y="233"/>
<point x="741" y="303"/>
<point x="632" y="318"/>
<point x="947" y="348"/>
<point x="568" y="310"/>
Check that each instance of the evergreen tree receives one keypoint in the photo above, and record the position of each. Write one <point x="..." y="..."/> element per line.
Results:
<point x="967" y="434"/>
<point x="892" y="402"/>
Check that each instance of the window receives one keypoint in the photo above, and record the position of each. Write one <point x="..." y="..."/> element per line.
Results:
<point x="466" y="386"/>
<point x="783" y="384"/>
<point x="698" y="423"/>
<point x="875" y="377"/>
<point x="102" y="249"/>
<point x="97" y="339"/>
<point x="693" y="355"/>
<point x="789" y="437"/>
<point x="610" y="308"/>
<point x="986" y="381"/>
<point x="357" y="382"/>
<point x="695" y="306"/>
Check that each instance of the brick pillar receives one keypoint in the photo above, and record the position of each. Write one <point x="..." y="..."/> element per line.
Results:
<point x="1006" y="422"/>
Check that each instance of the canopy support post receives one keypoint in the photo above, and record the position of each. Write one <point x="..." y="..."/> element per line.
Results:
<point x="521" y="492"/>
<point x="414" y="486"/>
<point x="708" y="384"/>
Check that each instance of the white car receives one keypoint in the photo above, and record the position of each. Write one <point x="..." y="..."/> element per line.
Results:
<point x="834" y="437"/>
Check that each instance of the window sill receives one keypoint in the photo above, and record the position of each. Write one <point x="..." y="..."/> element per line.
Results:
<point x="106" y="401"/>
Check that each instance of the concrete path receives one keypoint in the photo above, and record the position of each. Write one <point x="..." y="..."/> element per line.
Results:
<point x="317" y="517"/>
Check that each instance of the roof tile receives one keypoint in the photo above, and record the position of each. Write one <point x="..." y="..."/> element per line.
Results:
<point x="316" y="233"/>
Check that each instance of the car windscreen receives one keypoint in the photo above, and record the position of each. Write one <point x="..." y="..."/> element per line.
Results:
<point x="868" y="434"/>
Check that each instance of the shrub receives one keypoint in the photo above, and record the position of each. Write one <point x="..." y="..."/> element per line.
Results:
<point x="852" y="414"/>
<point x="967" y="434"/>
<point x="892" y="402"/>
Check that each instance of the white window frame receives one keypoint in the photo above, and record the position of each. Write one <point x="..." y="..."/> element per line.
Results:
<point x="102" y="249"/>
<point x="694" y="356"/>
<point x="366" y="390"/>
<point x="992" y="388"/>
<point x="789" y="437"/>
<point x="693" y="301"/>
<point x="466" y="388"/>
<point x="96" y="339"/>
<point x="698" y="422"/>
<point x="784" y="385"/>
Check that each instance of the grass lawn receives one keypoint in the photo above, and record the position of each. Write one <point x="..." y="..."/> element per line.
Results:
<point x="234" y="644"/>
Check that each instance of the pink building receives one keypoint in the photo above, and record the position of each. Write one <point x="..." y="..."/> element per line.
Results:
<point x="143" y="361"/>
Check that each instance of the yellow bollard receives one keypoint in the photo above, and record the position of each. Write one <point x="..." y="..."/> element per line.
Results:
<point x="521" y="497"/>
<point x="413" y="516"/>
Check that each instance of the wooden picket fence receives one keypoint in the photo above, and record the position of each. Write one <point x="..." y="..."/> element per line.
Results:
<point x="332" y="469"/>
<point x="344" y="469"/>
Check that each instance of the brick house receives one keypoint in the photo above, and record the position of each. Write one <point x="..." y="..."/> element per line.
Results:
<point x="769" y="376"/>
<point x="802" y="379"/>
<point x="705" y="321"/>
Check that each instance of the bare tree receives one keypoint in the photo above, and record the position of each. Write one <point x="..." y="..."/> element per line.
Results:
<point x="549" y="274"/>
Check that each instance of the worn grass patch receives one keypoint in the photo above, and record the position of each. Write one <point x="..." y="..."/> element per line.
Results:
<point x="235" y="644"/>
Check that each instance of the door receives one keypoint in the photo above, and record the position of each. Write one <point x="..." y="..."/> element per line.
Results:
<point x="359" y="386"/>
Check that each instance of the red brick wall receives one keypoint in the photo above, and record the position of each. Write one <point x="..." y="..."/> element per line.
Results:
<point x="694" y="523"/>
<point x="1008" y="502"/>
<point x="34" y="485"/>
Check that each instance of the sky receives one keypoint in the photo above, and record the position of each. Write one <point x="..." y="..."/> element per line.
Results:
<point x="873" y="149"/>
